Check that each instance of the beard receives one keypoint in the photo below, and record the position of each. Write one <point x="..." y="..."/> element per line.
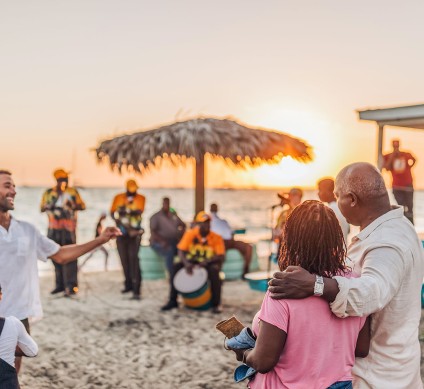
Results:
<point x="5" y="205"/>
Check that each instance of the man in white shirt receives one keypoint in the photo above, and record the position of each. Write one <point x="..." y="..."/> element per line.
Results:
<point x="221" y="227"/>
<point x="13" y="338"/>
<point x="326" y="195"/>
<point x="388" y="256"/>
<point x="21" y="244"/>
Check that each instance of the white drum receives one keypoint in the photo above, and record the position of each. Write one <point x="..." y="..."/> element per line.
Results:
<point x="189" y="283"/>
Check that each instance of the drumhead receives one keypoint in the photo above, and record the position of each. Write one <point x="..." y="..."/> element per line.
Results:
<point x="186" y="283"/>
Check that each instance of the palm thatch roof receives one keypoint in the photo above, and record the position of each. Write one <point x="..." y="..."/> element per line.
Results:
<point x="238" y="144"/>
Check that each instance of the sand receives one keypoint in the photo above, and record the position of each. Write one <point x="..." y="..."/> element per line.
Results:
<point x="102" y="339"/>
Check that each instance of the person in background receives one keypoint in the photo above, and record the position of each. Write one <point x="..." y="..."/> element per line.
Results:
<point x="388" y="256"/>
<point x="98" y="231"/>
<point x="166" y="230"/>
<point x="14" y="340"/>
<point x="200" y="246"/>
<point x="221" y="227"/>
<point x="127" y="210"/>
<point x="61" y="204"/>
<point x="399" y="164"/>
<point x="326" y="195"/>
<point x="21" y="244"/>
<point x="300" y="343"/>
<point x="289" y="201"/>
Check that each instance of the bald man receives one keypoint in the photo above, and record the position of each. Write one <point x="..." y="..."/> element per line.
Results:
<point x="388" y="256"/>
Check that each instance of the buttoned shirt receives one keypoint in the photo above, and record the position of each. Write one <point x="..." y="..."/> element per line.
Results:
<point x="221" y="227"/>
<point x="388" y="256"/>
<point x="20" y="247"/>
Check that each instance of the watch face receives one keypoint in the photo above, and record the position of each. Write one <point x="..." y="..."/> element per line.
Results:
<point x="318" y="289"/>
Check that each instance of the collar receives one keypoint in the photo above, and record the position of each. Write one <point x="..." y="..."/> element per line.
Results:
<point x="12" y="226"/>
<point x="395" y="213"/>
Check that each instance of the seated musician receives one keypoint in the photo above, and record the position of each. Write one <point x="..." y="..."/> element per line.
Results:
<point x="200" y="246"/>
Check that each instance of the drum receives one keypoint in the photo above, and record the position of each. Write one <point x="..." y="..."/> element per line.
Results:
<point x="194" y="288"/>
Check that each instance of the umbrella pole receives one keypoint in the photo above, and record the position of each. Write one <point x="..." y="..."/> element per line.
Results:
<point x="200" y="185"/>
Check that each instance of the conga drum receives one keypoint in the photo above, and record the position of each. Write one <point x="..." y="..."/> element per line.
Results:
<point x="194" y="288"/>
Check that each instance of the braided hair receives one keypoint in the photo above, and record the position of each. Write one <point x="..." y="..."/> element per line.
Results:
<point x="312" y="238"/>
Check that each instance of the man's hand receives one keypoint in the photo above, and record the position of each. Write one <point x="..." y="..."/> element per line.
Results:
<point x="109" y="233"/>
<point x="189" y="267"/>
<point x="294" y="283"/>
<point x="239" y="353"/>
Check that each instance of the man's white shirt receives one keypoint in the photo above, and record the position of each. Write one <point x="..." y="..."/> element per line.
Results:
<point x="388" y="257"/>
<point x="20" y="247"/>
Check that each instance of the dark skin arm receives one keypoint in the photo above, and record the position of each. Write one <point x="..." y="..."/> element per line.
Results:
<point x="269" y="346"/>
<point x="363" y="343"/>
<point x="68" y="253"/>
<point x="297" y="283"/>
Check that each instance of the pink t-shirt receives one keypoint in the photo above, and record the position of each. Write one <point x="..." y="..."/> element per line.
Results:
<point x="319" y="349"/>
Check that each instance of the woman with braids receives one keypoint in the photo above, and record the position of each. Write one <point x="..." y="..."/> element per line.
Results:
<point x="300" y="343"/>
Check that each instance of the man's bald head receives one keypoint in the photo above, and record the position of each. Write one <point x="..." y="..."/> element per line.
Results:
<point x="361" y="194"/>
<point x="363" y="179"/>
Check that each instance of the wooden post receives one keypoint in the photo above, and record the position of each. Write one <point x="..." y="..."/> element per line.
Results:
<point x="380" y="146"/>
<point x="200" y="186"/>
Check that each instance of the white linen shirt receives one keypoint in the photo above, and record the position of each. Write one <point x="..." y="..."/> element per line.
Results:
<point x="221" y="227"/>
<point x="345" y="226"/>
<point x="20" y="247"/>
<point x="14" y="334"/>
<point x="388" y="256"/>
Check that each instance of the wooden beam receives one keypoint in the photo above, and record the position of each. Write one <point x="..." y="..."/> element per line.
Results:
<point x="380" y="146"/>
<point x="199" y="186"/>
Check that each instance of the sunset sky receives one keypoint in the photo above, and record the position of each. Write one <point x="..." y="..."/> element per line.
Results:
<point x="76" y="72"/>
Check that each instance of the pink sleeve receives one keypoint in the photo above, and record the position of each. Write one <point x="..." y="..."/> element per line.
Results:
<point x="275" y="312"/>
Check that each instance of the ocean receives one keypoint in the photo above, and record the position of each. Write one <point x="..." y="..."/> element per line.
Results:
<point x="249" y="209"/>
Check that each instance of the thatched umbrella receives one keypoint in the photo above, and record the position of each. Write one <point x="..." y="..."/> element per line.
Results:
<point x="237" y="144"/>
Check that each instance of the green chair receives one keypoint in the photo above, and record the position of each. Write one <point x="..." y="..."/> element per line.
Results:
<point x="152" y="264"/>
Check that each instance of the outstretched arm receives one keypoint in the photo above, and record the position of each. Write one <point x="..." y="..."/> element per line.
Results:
<point x="68" y="253"/>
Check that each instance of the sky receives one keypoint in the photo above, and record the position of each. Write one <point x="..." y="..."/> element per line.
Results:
<point x="76" y="72"/>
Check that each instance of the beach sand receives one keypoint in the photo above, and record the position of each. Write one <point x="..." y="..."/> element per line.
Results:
<point x="102" y="339"/>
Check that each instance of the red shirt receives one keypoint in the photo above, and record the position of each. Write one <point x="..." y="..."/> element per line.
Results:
<point x="400" y="169"/>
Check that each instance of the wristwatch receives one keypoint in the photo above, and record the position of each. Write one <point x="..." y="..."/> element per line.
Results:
<point x="319" y="286"/>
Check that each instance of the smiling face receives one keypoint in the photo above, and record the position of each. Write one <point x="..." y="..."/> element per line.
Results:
<point x="7" y="193"/>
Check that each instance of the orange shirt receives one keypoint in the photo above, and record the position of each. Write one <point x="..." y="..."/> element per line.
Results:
<point x="127" y="211"/>
<point x="200" y="248"/>
<point x="121" y="200"/>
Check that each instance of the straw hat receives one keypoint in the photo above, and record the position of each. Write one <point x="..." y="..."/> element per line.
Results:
<point x="60" y="174"/>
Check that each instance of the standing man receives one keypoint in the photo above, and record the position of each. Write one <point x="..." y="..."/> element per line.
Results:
<point x="166" y="230"/>
<point x="61" y="204"/>
<point x="221" y="227"/>
<point x="388" y="256"/>
<point x="200" y="247"/>
<point x="21" y="244"/>
<point x="326" y="195"/>
<point x="399" y="163"/>
<point x="127" y="209"/>
<point x="289" y="201"/>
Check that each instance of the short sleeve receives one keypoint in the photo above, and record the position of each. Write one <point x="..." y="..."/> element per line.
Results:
<point x="186" y="240"/>
<point x="80" y="203"/>
<point x="115" y="203"/>
<point x="275" y="312"/>
<point x="219" y="246"/>
<point x="45" y="247"/>
<point x="141" y="201"/>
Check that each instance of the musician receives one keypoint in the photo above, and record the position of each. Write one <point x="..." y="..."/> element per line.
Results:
<point x="200" y="246"/>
